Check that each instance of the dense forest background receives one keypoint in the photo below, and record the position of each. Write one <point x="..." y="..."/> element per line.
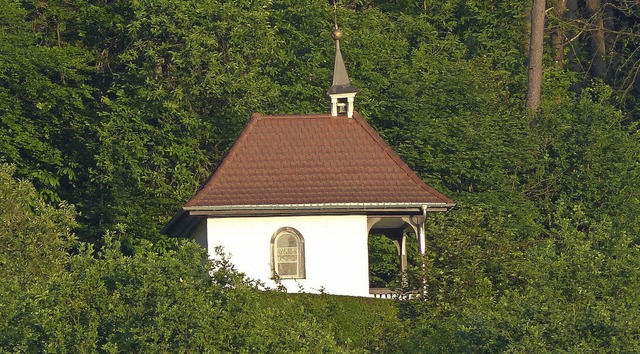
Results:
<point x="123" y="108"/>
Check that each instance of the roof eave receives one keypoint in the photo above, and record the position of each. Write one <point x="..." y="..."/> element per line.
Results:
<point x="182" y="224"/>
<point x="347" y="90"/>
<point x="323" y="206"/>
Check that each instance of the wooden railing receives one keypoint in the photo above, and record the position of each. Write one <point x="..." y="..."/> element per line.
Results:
<point x="386" y="293"/>
<point x="382" y="293"/>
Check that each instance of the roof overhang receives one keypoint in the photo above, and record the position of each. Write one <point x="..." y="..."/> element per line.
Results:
<point x="190" y="217"/>
<point x="367" y="207"/>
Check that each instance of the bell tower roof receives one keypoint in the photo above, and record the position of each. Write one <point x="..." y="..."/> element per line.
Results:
<point x="341" y="82"/>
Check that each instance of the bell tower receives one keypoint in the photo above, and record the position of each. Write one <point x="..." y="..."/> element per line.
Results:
<point x="341" y="92"/>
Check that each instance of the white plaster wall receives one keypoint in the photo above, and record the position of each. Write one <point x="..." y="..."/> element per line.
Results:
<point x="336" y="254"/>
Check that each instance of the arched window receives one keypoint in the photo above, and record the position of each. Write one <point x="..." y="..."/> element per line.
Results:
<point x="287" y="254"/>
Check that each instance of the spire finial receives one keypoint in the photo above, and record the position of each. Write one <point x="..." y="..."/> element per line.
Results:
<point x="337" y="32"/>
<point x="342" y="93"/>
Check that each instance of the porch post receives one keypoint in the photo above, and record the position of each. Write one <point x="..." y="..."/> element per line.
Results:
<point x="422" y="238"/>
<point x="423" y="249"/>
<point x="417" y="223"/>
<point x="403" y="260"/>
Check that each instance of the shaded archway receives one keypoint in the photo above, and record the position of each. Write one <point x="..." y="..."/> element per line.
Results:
<point x="384" y="262"/>
<point x="394" y="248"/>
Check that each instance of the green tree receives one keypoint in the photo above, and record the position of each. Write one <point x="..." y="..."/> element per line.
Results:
<point x="45" y="124"/>
<point x="60" y="295"/>
<point x="574" y="292"/>
<point x="34" y="239"/>
<point x="191" y="77"/>
<point x="589" y="155"/>
<point x="550" y="264"/>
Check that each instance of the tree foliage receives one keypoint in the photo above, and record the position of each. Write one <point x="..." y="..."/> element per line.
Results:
<point x="555" y="268"/>
<point x="174" y="301"/>
<point x="123" y="108"/>
<point x="44" y="126"/>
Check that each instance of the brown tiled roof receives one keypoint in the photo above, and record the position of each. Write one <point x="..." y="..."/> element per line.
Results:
<point x="312" y="159"/>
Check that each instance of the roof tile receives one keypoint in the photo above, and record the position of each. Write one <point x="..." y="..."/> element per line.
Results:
<point x="312" y="159"/>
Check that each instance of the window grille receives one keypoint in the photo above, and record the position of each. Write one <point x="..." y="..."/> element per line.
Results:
<point x="287" y="254"/>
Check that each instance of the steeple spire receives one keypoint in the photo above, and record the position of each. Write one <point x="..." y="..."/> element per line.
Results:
<point x="341" y="92"/>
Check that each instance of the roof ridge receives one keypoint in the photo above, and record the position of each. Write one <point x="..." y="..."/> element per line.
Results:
<point x="297" y="116"/>
<point x="397" y="159"/>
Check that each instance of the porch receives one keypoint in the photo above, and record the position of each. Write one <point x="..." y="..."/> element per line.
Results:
<point x="394" y="241"/>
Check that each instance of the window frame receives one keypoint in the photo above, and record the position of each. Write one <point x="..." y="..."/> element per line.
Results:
<point x="301" y="272"/>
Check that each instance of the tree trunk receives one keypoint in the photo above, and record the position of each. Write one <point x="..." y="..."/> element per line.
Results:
<point x="598" y="46"/>
<point x="536" y="43"/>
<point x="557" y="36"/>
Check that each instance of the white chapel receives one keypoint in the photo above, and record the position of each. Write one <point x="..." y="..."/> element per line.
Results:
<point x="297" y="196"/>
